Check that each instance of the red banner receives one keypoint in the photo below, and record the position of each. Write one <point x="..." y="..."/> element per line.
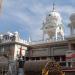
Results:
<point x="69" y="56"/>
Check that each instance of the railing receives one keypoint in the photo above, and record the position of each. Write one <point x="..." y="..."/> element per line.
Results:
<point x="5" y="41"/>
<point x="67" y="64"/>
<point x="42" y="42"/>
<point x="64" y="64"/>
<point x="10" y="40"/>
<point x="71" y="36"/>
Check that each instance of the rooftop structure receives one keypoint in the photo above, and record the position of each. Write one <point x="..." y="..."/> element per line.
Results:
<point x="12" y="37"/>
<point x="53" y="26"/>
<point x="72" y="24"/>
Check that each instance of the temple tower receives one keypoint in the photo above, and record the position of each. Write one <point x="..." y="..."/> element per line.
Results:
<point x="53" y="26"/>
<point x="72" y="24"/>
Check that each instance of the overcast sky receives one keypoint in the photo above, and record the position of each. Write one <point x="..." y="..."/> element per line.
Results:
<point x="26" y="16"/>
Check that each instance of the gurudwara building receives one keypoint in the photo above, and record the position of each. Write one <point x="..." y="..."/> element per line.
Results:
<point x="53" y="46"/>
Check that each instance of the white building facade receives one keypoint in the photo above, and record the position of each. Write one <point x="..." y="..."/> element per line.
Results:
<point x="11" y="44"/>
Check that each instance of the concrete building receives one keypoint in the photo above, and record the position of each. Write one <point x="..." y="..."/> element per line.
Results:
<point x="54" y="47"/>
<point x="10" y="46"/>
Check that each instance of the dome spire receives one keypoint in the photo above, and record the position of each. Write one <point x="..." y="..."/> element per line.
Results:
<point x="53" y="6"/>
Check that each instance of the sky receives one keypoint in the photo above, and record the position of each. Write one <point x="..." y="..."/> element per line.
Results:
<point x="27" y="16"/>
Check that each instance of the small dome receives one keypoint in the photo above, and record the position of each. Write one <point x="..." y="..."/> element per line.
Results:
<point x="72" y="17"/>
<point x="53" y="19"/>
<point x="54" y="16"/>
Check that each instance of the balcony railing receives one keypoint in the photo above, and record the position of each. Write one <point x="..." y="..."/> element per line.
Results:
<point x="19" y="40"/>
<point x="43" y="42"/>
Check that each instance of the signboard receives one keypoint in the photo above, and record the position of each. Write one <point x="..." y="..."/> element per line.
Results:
<point x="70" y="56"/>
<point x="22" y="51"/>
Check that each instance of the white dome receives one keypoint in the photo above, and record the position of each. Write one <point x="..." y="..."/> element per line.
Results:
<point x="53" y="19"/>
<point x="55" y="14"/>
<point x="53" y="26"/>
